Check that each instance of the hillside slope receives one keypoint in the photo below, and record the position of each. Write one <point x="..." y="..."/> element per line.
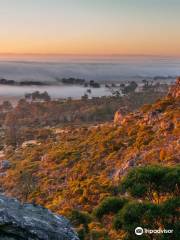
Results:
<point x="83" y="166"/>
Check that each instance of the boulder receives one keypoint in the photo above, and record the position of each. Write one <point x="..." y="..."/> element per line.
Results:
<point x="31" y="222"/>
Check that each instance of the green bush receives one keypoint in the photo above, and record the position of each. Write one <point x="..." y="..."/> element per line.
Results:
<point x="150" y="181"/>
<point x="77" y="218"/>
<point x="151" y="216"/>
<point x="110" y="204"/>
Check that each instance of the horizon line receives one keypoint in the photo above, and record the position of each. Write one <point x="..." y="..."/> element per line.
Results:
<point x="83" y="55"/>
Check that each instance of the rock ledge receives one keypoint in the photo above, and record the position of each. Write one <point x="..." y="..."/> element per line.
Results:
<point x="29" y="222"/>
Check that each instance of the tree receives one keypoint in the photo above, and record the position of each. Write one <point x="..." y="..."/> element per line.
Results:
<point x="153" y="203"/>
<point x="150" y="216"/>
<point x="152" y="183"/>
<point x="11" y="130"/>
<point x="131" y="87"/>
<point x="135" y="214"/>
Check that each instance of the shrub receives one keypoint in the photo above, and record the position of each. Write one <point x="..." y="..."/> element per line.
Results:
<point x="152" y="182"/>
<point x="78" y="218"/>
<point x="110" y="204"/>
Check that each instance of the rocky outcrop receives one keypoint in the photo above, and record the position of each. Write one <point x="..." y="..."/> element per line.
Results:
<point x="29" y="222"/>
<point x="175" y="90"/>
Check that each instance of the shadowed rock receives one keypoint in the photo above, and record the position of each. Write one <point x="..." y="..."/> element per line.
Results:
<point x="29" y="222"/>
<point x="4" y="165"/>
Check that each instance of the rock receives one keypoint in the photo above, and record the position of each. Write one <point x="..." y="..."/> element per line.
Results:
<point x="30" y="222"/>
<point x="30" y="143"/>
<point x="2" y="174"/>
<point x="167" y="125"/>
<point x="126" y="167"/>
<point x="118" y="117"/>
<point x="5" y="164"/>
<point x="175" y="90"/>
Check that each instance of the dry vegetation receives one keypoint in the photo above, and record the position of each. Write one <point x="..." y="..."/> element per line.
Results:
<point x="73" y="171"/>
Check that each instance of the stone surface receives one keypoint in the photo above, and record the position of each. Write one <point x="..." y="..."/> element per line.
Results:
<point x="4" y="165"/>
<point x="175" y="90"/>
<point x="29" y="222"/>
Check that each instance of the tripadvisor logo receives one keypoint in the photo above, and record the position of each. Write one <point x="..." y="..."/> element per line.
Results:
<point x="139" y="231"/>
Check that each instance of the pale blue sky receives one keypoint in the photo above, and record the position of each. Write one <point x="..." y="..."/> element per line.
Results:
<point x="90" y="26"/>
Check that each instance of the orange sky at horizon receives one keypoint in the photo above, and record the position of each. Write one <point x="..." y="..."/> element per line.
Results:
<point x="93" y="27"/>
<point x="88" y="47"/>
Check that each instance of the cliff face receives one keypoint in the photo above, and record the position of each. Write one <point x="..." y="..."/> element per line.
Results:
<point x="28" y="222"/>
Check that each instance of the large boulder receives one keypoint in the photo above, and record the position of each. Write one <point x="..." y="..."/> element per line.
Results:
<point x="30" y="222"/>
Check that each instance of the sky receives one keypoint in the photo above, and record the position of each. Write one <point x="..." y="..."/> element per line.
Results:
<point x="90" y="27"/>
